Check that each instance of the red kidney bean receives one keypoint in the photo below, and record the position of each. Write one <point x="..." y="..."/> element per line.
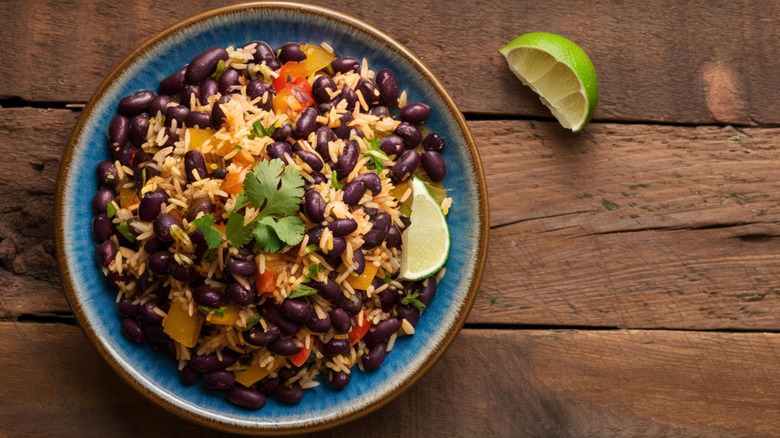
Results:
<point x="340" y="320"/>
<point x="433" y="142"/>
<point x="378" y="231"/>
<point x="328" y="290"/>
<point x="185" y="273"/>
<point x="228" y="79"/>
<point x="315" y="234"/>
<point x="237" y="294"/>
<point x="178" y="113"/>
<point x="348" y="159"/>
<point x="382" y="331"/>
<point x="288" y="373"/>
<point x="259" y="337"/>
<point x="199" y="205"/>
<point x="208" y="297"/>
<point x="154" y="244"/>
<point x="286" y="326"/>
<point x="283" y="347"/>
<point x="388" y="87"/>
<point x="325" y="107"/>
<point x="392" y="144"/>
<point x="197" y="119"/>
<point x="156" y="333"/>
<point x="162" y="226"/>
<point x="298" y="311"/>
<point x="159" y="261"/>
<point x="393" y="239"/>
<point x="101" y="227"/>
<point x="353" y="192"/>
<point x="132" y="330"/>
<point x="427" y="290"/>
<point x="352" y="305"/>
<point x="264" y="53"/>
<point x="125" y="155"/>
<point x="369" y="92"/>
<point x="345" y="64"/>
<point x="434" y="165"/>
<point x="380" y="111"/>
<point x="335" y="347"/>
<point x="144" y="171"/>
<point x="373" y="360"/>
<point x="409" y="313"/>
<point x="318" y="325"/>
<point x="147" y="312"/>
<point x="173" y="83"/>
<point x="282" y="133"/>
<point x="310" y="158"/>
<point x="188" y="376"/>
<point x="105" y="253"/>
<point x="291" y="52"/>
<point x="244" y="268"/>
<point x="217" y="115"/>
<point x="107" y="174"/>
<point x="219" y="380"/>
<point x="208" y="88"/>
<point x="339" y="380"/>
<point x="127" y="308"/>
<point x="151" y="205"/>
<point x="359" y="261"/>
<point x="316" y="177"/>
<point x="320" y="88"/>
<point x="339" y="246"/>
<point x="172" y="137"/>
<point x="113" y="277"/>
<point x="203" y="65"/>
<point x="206" y="363"/>
<point x="118" y="132"/>
<point x="289" y="394"/>
<point x="372" y="182"/>
<point x="415" y="113"/>
<point x="245" y="397"/>
<point x="349" y="95"/>
<point x="405" y="165"/>
<point x="186" y="96"/>
<point x="343" y="130"/>
<point x="306" y="123"/>
<point x="139" y="126"/>
<point x="268" y="385"/>
<point x="409" y="133"/>
<point x="314" y="206"/>
<point x="194" y="163"/>
<point x="325" y="135"/>
<point x="387" y="299"/>
<point x="158" y="105"/>
<point x="342" y="227"/>
<point x="136" y="103"/>
<point x="279" y="149"/>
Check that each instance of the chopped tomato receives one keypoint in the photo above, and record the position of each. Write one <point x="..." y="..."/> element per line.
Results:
<point x="266" y="282"/>
<point x="290" y="71"/>
<point x="234" y="181"/>
<point x="295" y="96"/>
<point x="357" y="332"/>
<point x="300" y="357"/>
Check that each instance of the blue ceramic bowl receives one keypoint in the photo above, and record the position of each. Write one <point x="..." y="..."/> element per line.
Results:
<point x="154" y="374"/>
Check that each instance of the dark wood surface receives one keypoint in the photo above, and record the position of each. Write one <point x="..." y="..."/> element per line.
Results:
<point x="631" y="287"/>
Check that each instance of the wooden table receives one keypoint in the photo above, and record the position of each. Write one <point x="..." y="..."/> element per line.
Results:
<point x="631" y="287"/>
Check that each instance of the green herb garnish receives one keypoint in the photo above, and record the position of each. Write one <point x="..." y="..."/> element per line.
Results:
<point x="111" y="209"/>
<point x="387" y="280"/>
<point x="237" y="234"/>
<point x="220" y="69"/>
<point x="314" y="271"/>
<point x="251" y="322"/>
<point x="238" y="146"/>
<point x="219" y="311"/>
<point x="376" y="154"/>
<point x="334" y="181"/>
<point x="302" y="291"/>
<point x="412" y="299"/>
<point x="260" y="131"/>
<point x="124" y="229"/>
<point x="311" y="248"/>
<point x="206" y="224"/>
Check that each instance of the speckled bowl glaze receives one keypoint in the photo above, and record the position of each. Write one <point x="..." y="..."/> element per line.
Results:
<point x="154" y="373"/>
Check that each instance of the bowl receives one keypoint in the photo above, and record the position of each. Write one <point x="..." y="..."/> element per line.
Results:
<point x="153" y="373"/>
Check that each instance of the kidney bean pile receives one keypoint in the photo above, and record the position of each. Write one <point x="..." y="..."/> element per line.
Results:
<point x="196" y="82"/>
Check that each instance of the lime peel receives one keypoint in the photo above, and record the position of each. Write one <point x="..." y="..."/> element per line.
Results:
<point x="560" y="72"/>
<point x="425" y="242"/>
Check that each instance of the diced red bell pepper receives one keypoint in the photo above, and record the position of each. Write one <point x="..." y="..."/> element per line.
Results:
<point x="357" y="332"/>
<point x="266" y="282"/>
<point x="300" y="357"/>
<point x="289" y="72"/>
<point x="295" y="96"/>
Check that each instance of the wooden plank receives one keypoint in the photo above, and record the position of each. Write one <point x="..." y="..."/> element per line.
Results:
<point x="631" y="226"/>
<point x="690" y="62"/>
<point x="497" y="383"/>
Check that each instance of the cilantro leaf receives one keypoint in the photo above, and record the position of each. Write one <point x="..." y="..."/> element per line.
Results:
<point x="124" y="229"/>
<point x="237" y="234"/>
<point x="311" y="248"/>
<point x="275" y="188"/>
<point x="206" y="224"/>
<point x="266" y="238"/>
<point x="220" y="69"/>
<point x="289" y="228"/>
<point x="252" y="321"/>
<point x="111" y="209"/>
<point x="334" y="181"/>
<point x="412" y="299"/>
<point x="376" y="162"/>
<point x="219" y="311"/>
<point x="302" y="291"/>
<point x="387" y="280"/>
<point x="374" y="143"/>
<point x="241" y="201"/>
<point x="314" y="270"/>
<point x="259" y="131"/>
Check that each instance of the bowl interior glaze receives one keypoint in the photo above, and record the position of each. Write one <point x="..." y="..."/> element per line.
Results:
<point x="154" y="373"/>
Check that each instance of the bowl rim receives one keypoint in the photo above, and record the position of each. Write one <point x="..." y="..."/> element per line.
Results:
<point x="482" y="238"/>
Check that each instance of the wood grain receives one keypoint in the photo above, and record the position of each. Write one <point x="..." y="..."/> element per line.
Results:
<point x="633" y="226"/>
<point x="496" y="383"/>
<point x="680" y="62"/>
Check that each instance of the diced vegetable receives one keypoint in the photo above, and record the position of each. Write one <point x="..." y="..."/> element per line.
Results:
<point x="363" y="281"/>
<point x="290" y="72"/>
<point x="229" y="316"/>
<point x="199" y="136"/>
<point x="399" y="189"/>
<point x="182" y="327"/>
<point x="234" y="181"/>
<point x="255" y="373"/>
<point x="317" y="58"/>
<point x="295" y="96"/>
<point x="127" y="198"/>
<point x="357" y="332"/>
<point x="266" y="282"/>
<point x="300" y="357"/>
<point x="244" y="159"/>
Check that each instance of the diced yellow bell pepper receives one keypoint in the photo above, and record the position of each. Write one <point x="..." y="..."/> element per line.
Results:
<point x="182" y="327"/>
<point x="363" y="281"/>
<point x="400" y="189"/>
<point x="229" y="316"/>
<point x="317" y="58"/>
<point x="127" y="197"/>
<point x="199" y="136"/>
<point x="255" y="373"/>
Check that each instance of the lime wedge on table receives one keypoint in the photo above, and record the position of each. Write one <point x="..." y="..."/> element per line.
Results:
<point x="425" y="243"/>
<point x="560" y="72"/>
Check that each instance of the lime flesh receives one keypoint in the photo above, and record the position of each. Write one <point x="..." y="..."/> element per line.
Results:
<point x="425" y="243"/>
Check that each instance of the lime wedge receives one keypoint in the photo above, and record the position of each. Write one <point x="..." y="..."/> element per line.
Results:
<point x="425" y="243"/>
<point x="560" y="72"/>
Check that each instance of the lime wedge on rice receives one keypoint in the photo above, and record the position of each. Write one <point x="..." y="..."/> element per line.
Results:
<point x="425" y="243"/>
<point x="560" y="72"/>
